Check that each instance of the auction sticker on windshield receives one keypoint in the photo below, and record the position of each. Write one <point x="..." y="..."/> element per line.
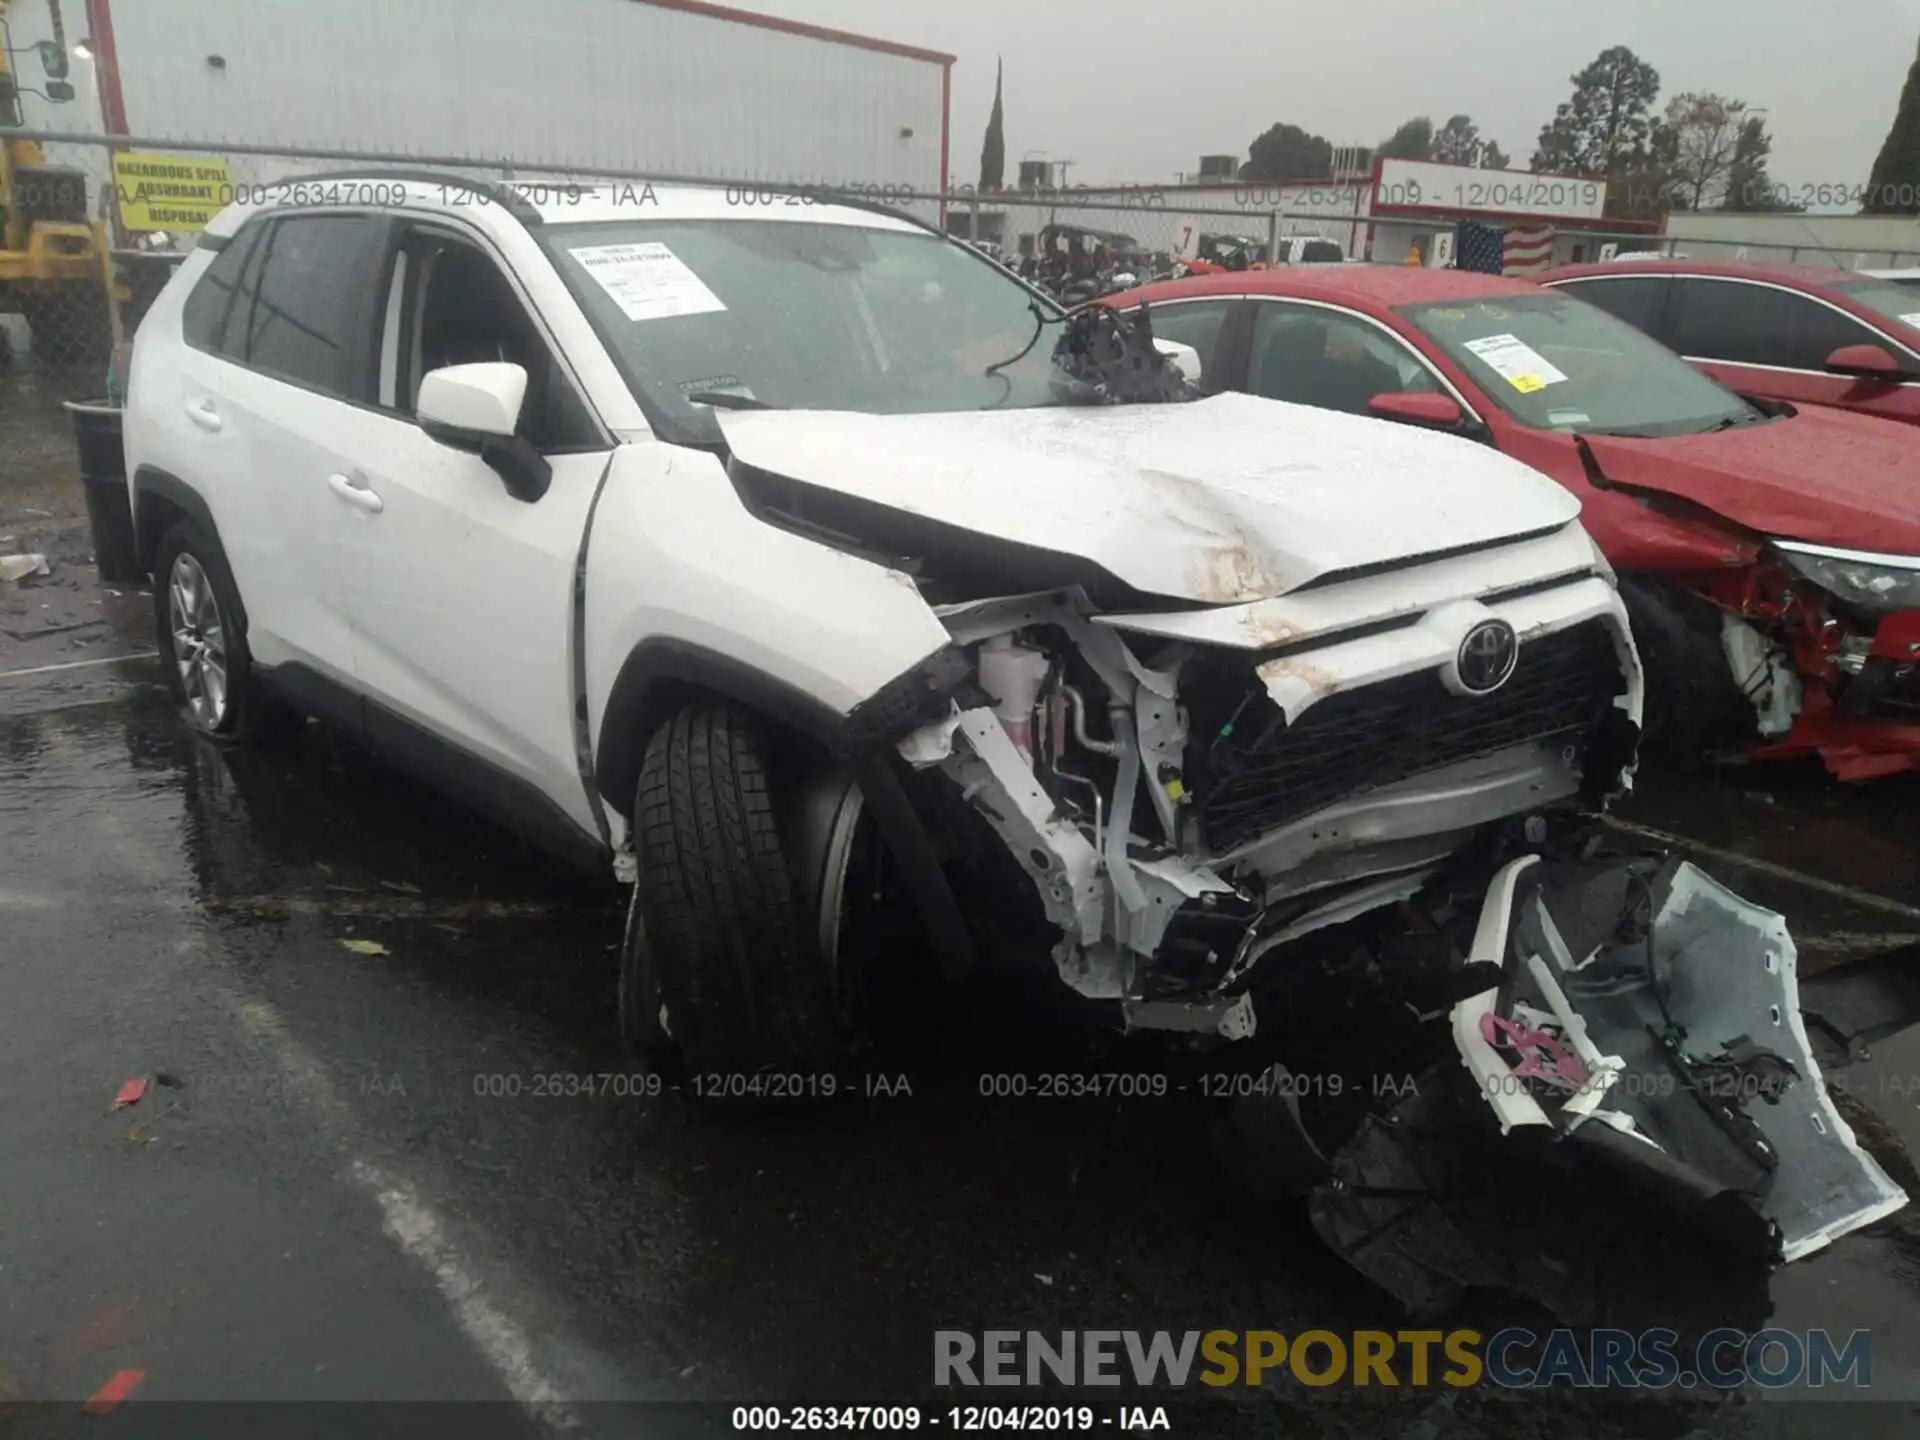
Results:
<point x="1516" y="362"/>
<point x="647" y="281"/>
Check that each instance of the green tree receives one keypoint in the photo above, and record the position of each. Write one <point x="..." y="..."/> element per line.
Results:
<point x="993" y="149"/>
<point x="1707" y="132"/>
<point x="1286" y="152"/>
<point x="1412" y="141"/>
<point x="1459" y="142"/>
<point x="1894" y="186"/>
<point x="1607" y="127"/>
<point x="1647" y="184"/>
<point x="1749" y="187"/>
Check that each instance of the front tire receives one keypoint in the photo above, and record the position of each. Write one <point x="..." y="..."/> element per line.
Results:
<point x="1694" y="711"/>
<point x="746" y="988"/>
<point x="203" y="648"/>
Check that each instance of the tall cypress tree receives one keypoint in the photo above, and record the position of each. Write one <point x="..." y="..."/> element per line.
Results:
<point x="1894" y="188"/>
<point x="993" y="150"/>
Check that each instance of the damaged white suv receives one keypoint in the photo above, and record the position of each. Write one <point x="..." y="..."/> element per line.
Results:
<point x="756" y="546"/>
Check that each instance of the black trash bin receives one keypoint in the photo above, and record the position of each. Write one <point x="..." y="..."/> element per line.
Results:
<point x="103" y="470"/>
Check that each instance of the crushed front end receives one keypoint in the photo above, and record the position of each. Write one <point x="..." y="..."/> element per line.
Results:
<point x="1825" y="643"/>
<point x="1188" y="791"/>
<point x="1263" y="831"/>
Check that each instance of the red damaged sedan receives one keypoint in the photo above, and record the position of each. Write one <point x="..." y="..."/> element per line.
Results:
<point x="1770" y="554"/>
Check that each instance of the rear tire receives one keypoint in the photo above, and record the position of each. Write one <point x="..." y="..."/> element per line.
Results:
<point x="201" y="643"/>
<point x="718" y="928"/>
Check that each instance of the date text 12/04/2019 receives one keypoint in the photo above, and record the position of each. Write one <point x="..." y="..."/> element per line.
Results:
<point x="960" y="1419"/>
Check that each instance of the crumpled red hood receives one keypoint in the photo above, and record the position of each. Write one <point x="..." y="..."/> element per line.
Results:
<point x="1823" y="476"/>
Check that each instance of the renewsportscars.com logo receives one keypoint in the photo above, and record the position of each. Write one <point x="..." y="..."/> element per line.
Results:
<point x="1514" y="1359"/>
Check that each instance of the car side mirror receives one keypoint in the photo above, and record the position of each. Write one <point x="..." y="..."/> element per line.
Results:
<point x="476" y="408"/>
<point x="1868" y="362"/>
<point x="1184" y="358"/>
<point x="1428" y="408"/>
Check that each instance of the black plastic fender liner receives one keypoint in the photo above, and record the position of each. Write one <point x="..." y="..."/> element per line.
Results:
<point x="1719" y="1210"/>
<point x="1429" y="1202"/>
<point x="153" y="484"/>
<point x="912" y="849"/>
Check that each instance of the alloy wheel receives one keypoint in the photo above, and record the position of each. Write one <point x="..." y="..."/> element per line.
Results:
<point x="199" y="640"/>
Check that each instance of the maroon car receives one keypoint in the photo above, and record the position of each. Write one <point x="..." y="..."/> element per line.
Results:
<point x="1769" y="554"/>
<point x="1806" y="334"/>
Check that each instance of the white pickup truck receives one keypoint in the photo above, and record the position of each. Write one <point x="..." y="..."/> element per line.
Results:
<point x="742" y="547"/>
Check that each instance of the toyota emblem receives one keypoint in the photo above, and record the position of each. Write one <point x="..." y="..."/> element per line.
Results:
<point x="1487" y="657"/>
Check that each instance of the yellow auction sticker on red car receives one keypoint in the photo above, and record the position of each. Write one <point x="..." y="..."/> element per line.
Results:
<point x="1516" y="362"/>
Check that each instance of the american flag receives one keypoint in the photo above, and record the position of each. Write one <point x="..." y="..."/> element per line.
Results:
<point x="1522" y="250"/>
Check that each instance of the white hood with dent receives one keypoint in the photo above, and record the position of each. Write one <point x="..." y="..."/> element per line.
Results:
<point x="1225" y="500"/>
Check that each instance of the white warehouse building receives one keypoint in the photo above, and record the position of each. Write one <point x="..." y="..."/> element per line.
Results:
<point x="674" y="87"/>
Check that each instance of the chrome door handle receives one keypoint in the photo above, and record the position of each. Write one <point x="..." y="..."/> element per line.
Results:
<point x="356" y="495"/>
<point x="202" y="413"/>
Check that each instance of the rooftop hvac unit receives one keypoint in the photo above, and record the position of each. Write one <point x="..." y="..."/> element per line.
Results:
<point x="1218" y="167"/>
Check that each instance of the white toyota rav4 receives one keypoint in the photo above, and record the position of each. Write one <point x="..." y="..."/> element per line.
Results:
<point x="779" y="557"/>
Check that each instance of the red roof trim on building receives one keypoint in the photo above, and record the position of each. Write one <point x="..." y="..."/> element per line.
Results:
<point x="1195" y="187"/>
<point x="800" y="27"/>
<point x="946" y="128"/>
<point x="1568" y="222"/>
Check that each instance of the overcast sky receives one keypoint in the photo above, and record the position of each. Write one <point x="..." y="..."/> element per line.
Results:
<point x="1140" y="89"/>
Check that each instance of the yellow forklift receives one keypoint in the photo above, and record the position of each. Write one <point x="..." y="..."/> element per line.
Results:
<point x="56" y="265"/>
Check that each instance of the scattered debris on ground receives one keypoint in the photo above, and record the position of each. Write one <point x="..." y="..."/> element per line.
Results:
<point x="109" y="1395"/>
<point x="130" y="1092"/>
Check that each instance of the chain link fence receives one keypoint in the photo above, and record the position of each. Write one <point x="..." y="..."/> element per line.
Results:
<point x="1146" y="230"/>
<point x="107" y="221"/>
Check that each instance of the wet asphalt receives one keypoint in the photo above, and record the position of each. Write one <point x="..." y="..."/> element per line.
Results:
<point x="367" y="1171"/>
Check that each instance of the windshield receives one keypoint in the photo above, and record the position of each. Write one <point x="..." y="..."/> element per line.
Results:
<point x="802" y="315"/>
<point x="1894" y="300"/>
<point x="1557" y="363"/>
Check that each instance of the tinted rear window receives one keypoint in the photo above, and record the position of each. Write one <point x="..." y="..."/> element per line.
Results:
<point x="1745" y="324"/>
<point x="301" y="323"/>
<point x="1634" y="299"/>
<point x="203" y="319"/>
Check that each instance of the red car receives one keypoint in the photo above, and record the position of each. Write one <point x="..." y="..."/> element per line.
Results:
<point x="1770" y="554"/>
<point x="1814" y="336"/>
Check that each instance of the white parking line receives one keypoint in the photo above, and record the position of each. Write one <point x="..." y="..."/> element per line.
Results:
<point x="417" y="1230"/>
<point x="413" y="1226"/>
<point x="1866" y="899"/>
<point x="1846" y="942"/>
<point x="79" y="664"/>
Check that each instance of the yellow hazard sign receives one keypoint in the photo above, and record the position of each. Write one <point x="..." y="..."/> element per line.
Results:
<point x="180" y="193"/>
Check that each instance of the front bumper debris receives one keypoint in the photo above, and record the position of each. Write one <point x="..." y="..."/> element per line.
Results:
<point x="1641" y="1062"/>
